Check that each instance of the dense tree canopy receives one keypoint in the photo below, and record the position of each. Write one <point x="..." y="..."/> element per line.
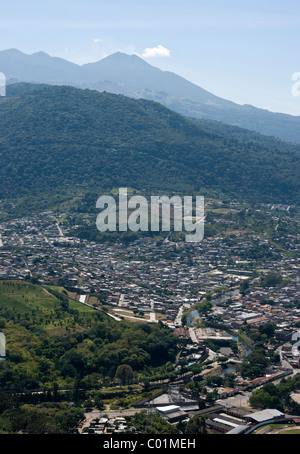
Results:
<point x="277" y="396"/>
<point x="59" y="142"/>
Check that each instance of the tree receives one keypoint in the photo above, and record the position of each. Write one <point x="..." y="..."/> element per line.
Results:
<point x="195" y="426"/>
<point x="99" y="404"/>
<point x="268" y="329"/>
<point x="254" y="365"/>
<point x="268" y="397"/>
<point x="271" y="280"/>
<point x="124" y="373"/>
<point x="244" y="286"/>
<point x="151" y="424"/>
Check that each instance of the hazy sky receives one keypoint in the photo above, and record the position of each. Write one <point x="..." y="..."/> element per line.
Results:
<point x="242" y="50"/>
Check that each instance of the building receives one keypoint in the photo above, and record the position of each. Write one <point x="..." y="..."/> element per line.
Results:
<point x="238" y="430"/>
<point x="172" y="413"/>
<point x="264" y="415"/>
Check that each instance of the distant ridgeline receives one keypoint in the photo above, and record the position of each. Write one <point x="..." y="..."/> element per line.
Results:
<point x="132" y="76"/>
<point x="58" y="143"/>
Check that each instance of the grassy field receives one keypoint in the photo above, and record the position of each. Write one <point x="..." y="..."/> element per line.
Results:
<point x="28" y="307"/>
<point x="294" y="431"/>
<point x="279" y="429"/>
<point x="32" y="318"/>
<point x="24" y="298"/>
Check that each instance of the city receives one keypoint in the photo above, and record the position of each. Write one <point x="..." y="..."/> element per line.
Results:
<point x="206" y="293"/>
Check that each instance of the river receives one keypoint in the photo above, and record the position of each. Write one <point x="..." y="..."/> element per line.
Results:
<point x="247" y="351"/>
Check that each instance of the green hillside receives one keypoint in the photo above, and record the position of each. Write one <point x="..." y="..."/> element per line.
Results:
<point x="60" y="142"/>
<point x="51" y="339"/>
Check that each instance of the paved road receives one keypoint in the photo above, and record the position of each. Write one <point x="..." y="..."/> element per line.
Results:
<point x="239" y="401"/>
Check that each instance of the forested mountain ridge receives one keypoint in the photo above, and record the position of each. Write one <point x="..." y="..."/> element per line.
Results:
<point x="67" y="141"/>
<point x="132" y="76"/>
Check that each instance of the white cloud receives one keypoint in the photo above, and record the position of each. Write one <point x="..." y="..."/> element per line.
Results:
<point x="98" y="40"/>
<point x="158" y="51"/>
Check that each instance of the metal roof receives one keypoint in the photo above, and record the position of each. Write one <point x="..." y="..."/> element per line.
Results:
<point x="168" y="409"/>
<point x="264" y="415"/>
<point x="237" y="430"/>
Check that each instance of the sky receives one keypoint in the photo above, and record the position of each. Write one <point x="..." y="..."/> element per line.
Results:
<point x="246" y="51"/>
